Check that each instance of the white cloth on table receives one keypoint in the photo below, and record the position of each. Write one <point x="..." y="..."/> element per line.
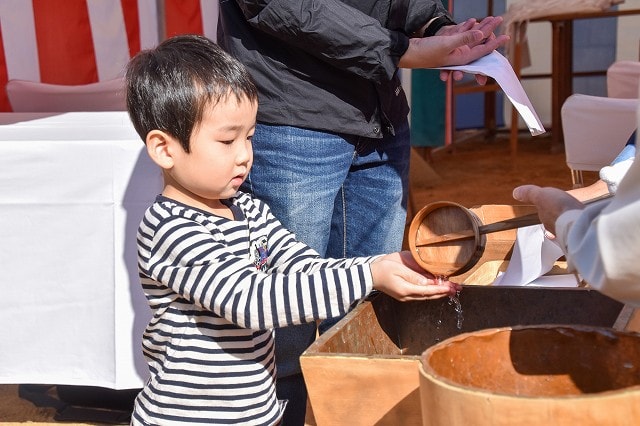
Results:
<point x="73" y="188"/>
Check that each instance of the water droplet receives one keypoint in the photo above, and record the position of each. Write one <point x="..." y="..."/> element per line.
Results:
<point x="454" y="300"/>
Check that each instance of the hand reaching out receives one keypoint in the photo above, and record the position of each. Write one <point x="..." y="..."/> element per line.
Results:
<point x="550" y="202"/>
<point x="399" y="276"/>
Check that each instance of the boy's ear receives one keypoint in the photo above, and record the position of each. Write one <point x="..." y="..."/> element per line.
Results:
<point x="159" y="148"/>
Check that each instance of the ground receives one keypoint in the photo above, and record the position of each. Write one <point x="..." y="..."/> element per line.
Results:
<point x="482" y="171"/>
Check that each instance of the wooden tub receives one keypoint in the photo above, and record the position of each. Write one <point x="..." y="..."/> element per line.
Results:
<point x="365" y="370"/>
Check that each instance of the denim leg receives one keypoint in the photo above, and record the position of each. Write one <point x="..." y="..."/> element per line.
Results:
<point x="298" y="173"/>
<point x="370" y="212"/>
<point x="371" y="215"/>
<point x="629" y="150"/>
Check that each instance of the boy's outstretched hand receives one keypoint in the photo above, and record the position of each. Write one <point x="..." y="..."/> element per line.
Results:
<point x="399" y="276"/>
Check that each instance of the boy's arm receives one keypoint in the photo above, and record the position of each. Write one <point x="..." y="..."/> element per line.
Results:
<point x="288" y="254"/>
<point x="196" y="267"/>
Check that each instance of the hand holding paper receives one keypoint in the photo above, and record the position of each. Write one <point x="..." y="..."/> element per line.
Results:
<point x="498" y="67"/>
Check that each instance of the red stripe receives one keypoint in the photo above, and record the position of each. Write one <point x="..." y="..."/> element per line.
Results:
<point x="132" y="25"/>
<point x="65" y="43"/>
<point x="4" y="77"/>
<point x="183" y="17"/>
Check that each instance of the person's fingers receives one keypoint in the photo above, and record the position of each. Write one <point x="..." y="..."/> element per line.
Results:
<point x="457" y="46"/>
<point x="471" y="45"/>
<point x="455" y="75"/>
<point x="496" y="41"/>
<point x="478" y="50"/>
<point x="438" y="291"/>
<point x="487" y="32"/>
<point x="418" y="287"/>
<point x="491" y="37"/>
<point x="466" y="25"/>
<point x="466" y="38"/>
<point x="458" y="28"/>
<point x="525" y="193"/>
<point x="489" y="25"/>
<point x="409" y="275"/>
<point x="481" y="79"/>
<point x="429" y="292"/>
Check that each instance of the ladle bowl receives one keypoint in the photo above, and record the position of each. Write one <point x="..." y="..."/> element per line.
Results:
<point x="446" y="258"/>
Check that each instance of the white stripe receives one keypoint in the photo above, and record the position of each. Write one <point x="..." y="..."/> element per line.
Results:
<point x="109" y="38"/>
<point x="19" y="39"/>
<point x="209" y="12"/>
<point x="148" y="16"/>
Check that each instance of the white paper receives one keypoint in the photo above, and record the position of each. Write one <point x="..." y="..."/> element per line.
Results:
<point x="533" y="256"/>
<point x="498" y="67"/>
<point x="560" y="281"/>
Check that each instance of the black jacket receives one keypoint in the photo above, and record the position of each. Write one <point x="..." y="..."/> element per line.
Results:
<point x="326" y="65"/>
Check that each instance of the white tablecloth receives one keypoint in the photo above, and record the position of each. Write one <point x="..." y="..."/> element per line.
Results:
<point x="73" y="188"/>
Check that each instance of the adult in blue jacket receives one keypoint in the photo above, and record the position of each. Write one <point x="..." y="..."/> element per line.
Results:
<point x="331" y="149"/>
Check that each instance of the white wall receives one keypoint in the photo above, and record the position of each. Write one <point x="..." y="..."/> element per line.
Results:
<point x="629" y="33"/>
<point x="539" y="36"/>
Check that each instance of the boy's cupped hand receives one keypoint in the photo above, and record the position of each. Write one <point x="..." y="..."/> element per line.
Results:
<point x="400" y="276"/>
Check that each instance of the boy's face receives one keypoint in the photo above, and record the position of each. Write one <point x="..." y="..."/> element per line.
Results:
<point x="220" y="158"/>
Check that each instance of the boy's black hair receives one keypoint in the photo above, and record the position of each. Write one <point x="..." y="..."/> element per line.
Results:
<point x="169" y="86"/>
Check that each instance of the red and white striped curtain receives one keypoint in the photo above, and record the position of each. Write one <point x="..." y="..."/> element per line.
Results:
<point x="84" y="41"/>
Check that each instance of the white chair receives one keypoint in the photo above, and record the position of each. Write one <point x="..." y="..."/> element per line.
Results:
<point x="30" y="96"/>
<point x="596" y="128"/>
<point x="623" y="79"/>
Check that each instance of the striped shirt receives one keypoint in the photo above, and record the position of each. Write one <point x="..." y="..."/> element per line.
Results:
<point x="217" y="289"/>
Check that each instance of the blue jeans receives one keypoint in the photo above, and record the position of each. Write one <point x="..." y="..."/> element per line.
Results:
<point x="629" y="150"/>
<point x="343" y="195"/>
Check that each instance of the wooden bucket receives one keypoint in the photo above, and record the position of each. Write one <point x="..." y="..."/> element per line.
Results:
<point x="547" y="374"/>
<point x="448" y="258"/>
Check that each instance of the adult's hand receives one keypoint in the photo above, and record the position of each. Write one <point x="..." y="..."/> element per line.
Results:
<point x="550" y="202"/>
<point x="455" y="49"/>
<point x="488" y="27"/>
<point x="455" y="45"/>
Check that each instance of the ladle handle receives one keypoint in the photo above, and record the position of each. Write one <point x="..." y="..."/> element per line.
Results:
<point x="513" y="223"/>
<point x="516" y="222"/>
<point x="504" y="225"/>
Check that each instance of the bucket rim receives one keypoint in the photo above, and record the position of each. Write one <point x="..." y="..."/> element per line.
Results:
<point x="428" y="373"/>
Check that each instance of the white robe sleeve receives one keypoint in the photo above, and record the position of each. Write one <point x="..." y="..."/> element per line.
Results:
<point x="602" y="242"/>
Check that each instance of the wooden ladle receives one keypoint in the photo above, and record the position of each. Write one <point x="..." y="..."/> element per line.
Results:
<point x="446" y="258"/>
<point x="448" y="239"/>
<point x="503" y="225"/>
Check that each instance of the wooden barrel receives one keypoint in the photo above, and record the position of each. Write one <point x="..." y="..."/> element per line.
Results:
<point x="532" y="375"/>
<point x="448" y="258"/>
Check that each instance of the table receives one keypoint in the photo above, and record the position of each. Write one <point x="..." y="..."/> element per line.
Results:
<point x="561" y="63"/>
<point x="73" y="188"/>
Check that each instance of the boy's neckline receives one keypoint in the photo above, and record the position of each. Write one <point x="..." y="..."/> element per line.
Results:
<point x="235" y="211"/>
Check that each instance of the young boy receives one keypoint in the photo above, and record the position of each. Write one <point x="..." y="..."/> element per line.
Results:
<point x="219" y="271"/>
